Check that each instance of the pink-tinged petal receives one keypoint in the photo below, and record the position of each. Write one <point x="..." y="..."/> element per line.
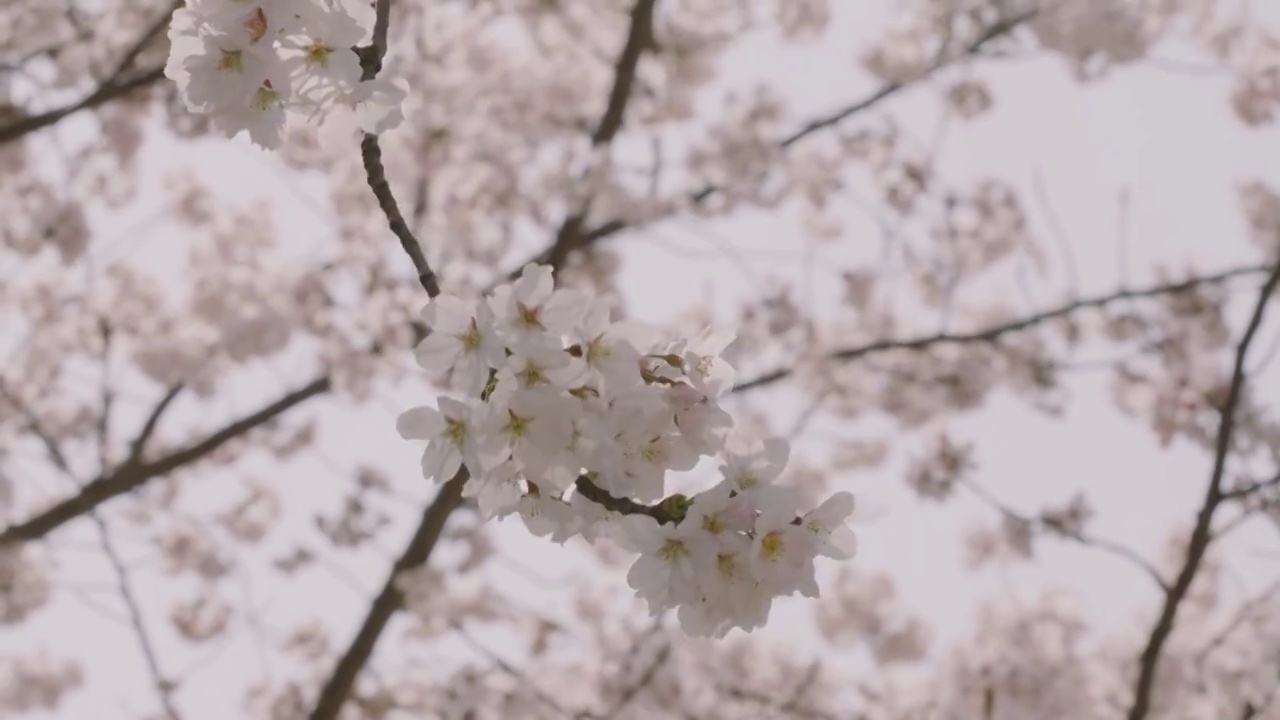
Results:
<point x="420" y="423"/>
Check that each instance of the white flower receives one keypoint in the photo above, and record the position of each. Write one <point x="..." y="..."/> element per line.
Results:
<point x="607" y="353"/>
<point x="450" y="436"/>
<point x="222" y="72"/>
<point x="834" y="539"/>
<point x="530" y="426"/>
<point x="666" y="573"/>
<point x="753" y="463"/>
<point x="497" y="491"/>
<point x="532" y="311"/>
<point x="545" y="516"/>
<point x="782" y="552"/>
<point x="710" y="374"/>
<point x="370" y="106"/>
<point x="541" y="366"/>
<point x="462" y="343"/>
<point x="323" y="56"/>
<point x="720" y="512"/>
<point x="730" y="595"/>
<point x="703" y="424"/>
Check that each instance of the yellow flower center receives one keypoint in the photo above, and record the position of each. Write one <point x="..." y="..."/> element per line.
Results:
<point x="772" y="545"/>
<point x="672" y="550"/>
<point x="231" y="60"/>
<point x="318" y="53"/>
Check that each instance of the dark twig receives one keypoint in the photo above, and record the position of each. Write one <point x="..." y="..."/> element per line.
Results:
<point x="1202" y="533"/>
<point x="116" y="85"/>
<point x="1108" y="546"/>
<point x="371" y="153"/>
<point x="157" y="27"/>
<point x="371" y="57"/>
<point x="584" y="237"/>
<point x="163" y="686"/>
<point x="997" y="331"/>
<point x="992" y="32"/>
<point x="625" y="506"/>
<point x="340" y="683"/>
<point x="139" y="444"/>
<point x="639" y="37"/>
<point x="104" y="94"/>
<point x="131" y="476"/>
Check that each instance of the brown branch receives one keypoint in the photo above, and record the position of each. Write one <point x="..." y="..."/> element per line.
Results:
<point x="35" y="427"/>
<point x="371" y="153"/>
<point x="158" y="26"/>
<point x="105" y="93"/>
<point x="992" y="32"/>
<point x="1201" y="534"/>
<point x="115" y="86"/>
<point x="164" y="687"/>
<point x="639" y="37"/>
<point x="622" y="505"/>
<point x="340" y="683"/>
<point x="139" y="444"/>
<point x="586" y="237"/>
<point x="997" y="331"/>
<point x="632" y="690"/>
<point x="128" y="477"/>
<point x="1248" y="489"/>
<point x="1042" y="524"/>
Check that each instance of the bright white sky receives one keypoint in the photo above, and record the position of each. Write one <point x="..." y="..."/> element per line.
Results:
<point x="1163" y="132"/>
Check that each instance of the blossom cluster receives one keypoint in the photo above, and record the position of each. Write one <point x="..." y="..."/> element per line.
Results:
<point x="572" y="421"/>
<point x="249" y="64"/>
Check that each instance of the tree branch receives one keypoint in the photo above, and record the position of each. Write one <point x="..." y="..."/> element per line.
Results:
<point x="1201" y="534"/>
<point x="127" y="477"/>
<point x="639" y="37"/>
<point x="586" y="237"/>
<point x="115" y="86"/>
<point x="371" y="154"/>
<point x="139" y="444"/>
<point x="996" y="30"/>
<point x="163" y="686"/>
<point x="1024" y="323"/>
<point x="1107" y="546"/>
<point x="389" y="600"/>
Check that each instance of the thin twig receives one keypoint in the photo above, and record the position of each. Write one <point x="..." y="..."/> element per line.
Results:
<point x="129" y="477"/>
<point x="1202" y="533"/>
<point x="509" y="669"/>
<point x="996" y="331"/>
<point x="1108" y="546"/>
<point x="134" y="50"/>
<point x="376" y="175"/>
<point x="639" y="37"/>
<point x="115" y="86"/>
<point x="164" y="687"/>
<point x="371" y="57"/>
<point x="139" y="444"/>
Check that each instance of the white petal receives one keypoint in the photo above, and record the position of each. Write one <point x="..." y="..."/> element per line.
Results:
<point x="420" y="423"/>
